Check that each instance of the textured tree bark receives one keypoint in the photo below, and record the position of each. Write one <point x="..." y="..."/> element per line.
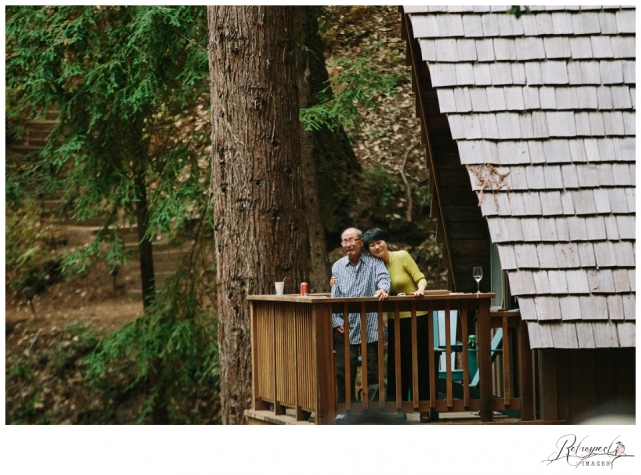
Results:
<point x="306" y="33"/>
<point x="260" y="230"/>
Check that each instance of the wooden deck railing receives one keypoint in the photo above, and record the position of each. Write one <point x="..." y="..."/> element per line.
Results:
<point x="293" y="356"/>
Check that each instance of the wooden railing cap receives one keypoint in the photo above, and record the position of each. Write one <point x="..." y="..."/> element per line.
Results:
<point x="316" y="298"/>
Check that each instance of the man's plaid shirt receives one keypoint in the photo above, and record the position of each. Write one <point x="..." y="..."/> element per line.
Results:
<point x="361" y="280"/>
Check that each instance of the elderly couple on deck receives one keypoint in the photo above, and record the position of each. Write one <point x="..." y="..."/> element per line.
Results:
<point x="371" y="269"/>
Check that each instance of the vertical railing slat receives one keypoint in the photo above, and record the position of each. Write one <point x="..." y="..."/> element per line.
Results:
<point x="433" y="367"/>
<point x="291" y="340"/>
<point x="347" y="360"/>
<point x="311" y="394"/>
<point x="485" y="360"/>
<point x="415" y="392"/>
<point x="506" y="363"/>
<point x="306" y="359"/>
<point x="278" y="409"/>
<point x="289" y="361"/>
<point x="465" y="349"/>
<point x="309" y="360"/>
<point x="297" y="396"/>
<point x="397" y="356"/>
<point x="364" y="362"/>
<point x="381" y="357"/>
<point x="448" y="355"/>
<point x="269" y="343"/>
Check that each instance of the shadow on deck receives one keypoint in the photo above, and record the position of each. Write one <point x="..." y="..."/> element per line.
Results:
<point x="455" y="418"/>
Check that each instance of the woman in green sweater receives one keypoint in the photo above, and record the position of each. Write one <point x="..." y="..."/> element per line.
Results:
<point x="409" y="280"/>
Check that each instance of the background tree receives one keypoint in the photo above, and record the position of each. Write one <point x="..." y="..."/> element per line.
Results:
<point x="117" y="75"/>
<point x="260" y="230"/>
<point x="371" y="96"/>
<point x="330" y="166"/>
<point x="307" y="60"/>
<point x="120" y="77"/>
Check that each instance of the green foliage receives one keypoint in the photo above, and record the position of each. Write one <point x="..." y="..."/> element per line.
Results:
<point x="32" y="248"/>
<point x="178" y="331"/>
<point x="386" y="190"/>
<point x="21" y="369"/>
<point x="129" y="83"/>
<point x="28" y="409"/>
<point x="119" y="76"/>
<point x="81" y="258"/>
<point x="63" y="358"/>
<point x="355" y="88"/>
<point x="518" y="10"/>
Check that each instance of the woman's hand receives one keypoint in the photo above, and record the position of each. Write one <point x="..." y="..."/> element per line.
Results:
<point x="420" y="292"/>
<point x="332" y="281"/>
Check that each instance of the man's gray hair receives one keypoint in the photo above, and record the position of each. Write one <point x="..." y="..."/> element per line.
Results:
<point x="359" y="233"/>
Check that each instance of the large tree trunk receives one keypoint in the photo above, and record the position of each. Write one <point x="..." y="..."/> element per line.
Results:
<point x="260" y="229"/>
<point x="306" y="33"/>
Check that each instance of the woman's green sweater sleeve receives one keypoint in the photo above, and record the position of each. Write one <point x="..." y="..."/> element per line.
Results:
<point x="412" y="269"/>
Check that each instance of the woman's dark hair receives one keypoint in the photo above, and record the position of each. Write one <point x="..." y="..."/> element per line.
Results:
<point x="374" y="235"/>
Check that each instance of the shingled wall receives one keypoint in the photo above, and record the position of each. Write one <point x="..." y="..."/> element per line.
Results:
<point x="542" y="109"/>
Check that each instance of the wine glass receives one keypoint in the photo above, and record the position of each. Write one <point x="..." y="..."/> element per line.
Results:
<point x="477" y="272"/>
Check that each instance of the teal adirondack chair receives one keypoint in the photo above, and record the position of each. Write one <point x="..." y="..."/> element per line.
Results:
<point x="457" y="374"/>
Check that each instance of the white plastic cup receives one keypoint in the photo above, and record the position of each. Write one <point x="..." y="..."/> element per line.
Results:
<point x="280" y="287"/>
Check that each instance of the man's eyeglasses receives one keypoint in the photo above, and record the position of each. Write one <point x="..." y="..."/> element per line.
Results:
<point x="349" y="242"/>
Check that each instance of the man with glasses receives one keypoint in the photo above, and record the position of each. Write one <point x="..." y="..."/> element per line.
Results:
<point x="357" y="275"/>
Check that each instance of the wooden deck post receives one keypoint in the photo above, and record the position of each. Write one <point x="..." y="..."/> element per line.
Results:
<point x="299" y="413"/>
<point x="325" y="397"/>
<point x="415" y="393"/>
<point x="527" y="383"/>
<point x="485" y="359"/>
<point x="507" y="387"/>
<point x="258" y="403"/>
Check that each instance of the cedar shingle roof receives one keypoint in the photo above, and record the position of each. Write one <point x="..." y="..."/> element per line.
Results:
<point x="543" y="112"/>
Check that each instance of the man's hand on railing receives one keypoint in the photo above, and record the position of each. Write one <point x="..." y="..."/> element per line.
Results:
<point x="381" y="294"/>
